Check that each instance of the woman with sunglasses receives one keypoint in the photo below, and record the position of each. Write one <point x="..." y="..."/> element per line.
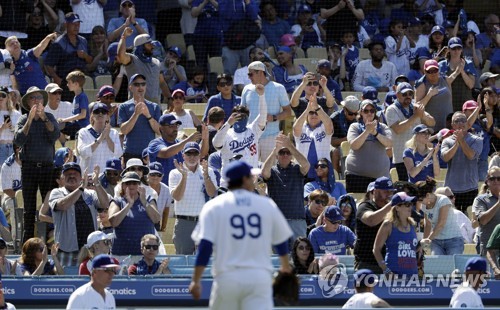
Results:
<point x="98" y="46"/>
<point x="439" y="105"/>
<point x="98" y="242"/>
<point x="7" y="266"/>
<point x="441" y="228"/>
<point x="310" y="86"/>
<point x="367" y="159"/>
<point x="34" y="259"/>
<point x="312" y="132"/>
<point x="149" y="265"/>
<point x="164" y="201"/>
<point x="325" y="181"/>
<point x="133" y="214"/>
<point x="187" y="117"/>
<point x="459" y="72"/>
<point x="397" y="233"/>
<point x="347" y="205"/>
<point x="98" y="142"/>
<point x="302" y="260"/>
<point x="8" y="120"/>
<point x="421" y="161"/>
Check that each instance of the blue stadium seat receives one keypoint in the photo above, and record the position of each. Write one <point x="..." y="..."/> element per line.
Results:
<point x="71" y="270"/>
<point x="188" y="271"/>
<point x="275" y="260"/>
<point x="175" y="260"/>
<point x="191" y="260"/>
<point x="439" y="264"/>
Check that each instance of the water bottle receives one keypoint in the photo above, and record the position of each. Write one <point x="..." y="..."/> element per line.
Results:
<point x="124" y="265"/>
<point x="463" y="19"/>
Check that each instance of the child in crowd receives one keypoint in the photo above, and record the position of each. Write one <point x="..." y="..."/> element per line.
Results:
<point x="80" y="117"/>
<point x="350" y="53"/>
<point x="397" y="47"/>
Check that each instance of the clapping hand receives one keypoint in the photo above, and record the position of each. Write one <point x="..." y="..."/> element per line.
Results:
<point x="142" y="194"/>
<point x="54" y="248"/>
<point x="180" y="167"/>
<point x="95" y="175"/>
<point x="85" y="179"/>
<point x="371" y="127"/>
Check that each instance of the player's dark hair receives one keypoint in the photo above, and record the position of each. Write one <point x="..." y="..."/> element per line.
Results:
<point x="241" y="109"/>
<point x="216" y="115"/>
<point x="286" y="289"/>
<point x="235" y="184"/>
<point x="298" y="267"/>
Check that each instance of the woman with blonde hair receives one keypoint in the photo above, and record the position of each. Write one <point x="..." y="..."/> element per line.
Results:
<point x="398" y="235"/>
<point x="8" y="121"/>
<point x="420" y="160"/>
<point x="98" y="242"/>
<point x="34" y="259"/>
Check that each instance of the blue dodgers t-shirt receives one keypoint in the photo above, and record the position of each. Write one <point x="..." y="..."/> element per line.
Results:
<point x="142" y="133"/>
<point x="28" y="72"/>
<point x="417" y="158"/>
<point x="332" y="242"/>
<point x="154" y="148"/>
<point x="81" y="102"/>
<point x="351" y="61"/>
<point x="226" y="104"/>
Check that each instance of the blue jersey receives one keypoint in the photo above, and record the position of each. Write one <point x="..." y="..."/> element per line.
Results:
<point x="154" y="148"/>
<point x="401" y="251"/>
<point x="332" y="242"/>
<point x="81" y="102"/>
<point x="417" y="158"/>
<point x="28" y="72"/>
<point x="351" y="61"/>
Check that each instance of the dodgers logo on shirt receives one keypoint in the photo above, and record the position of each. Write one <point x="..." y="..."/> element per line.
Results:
<point x="236" y="146"/>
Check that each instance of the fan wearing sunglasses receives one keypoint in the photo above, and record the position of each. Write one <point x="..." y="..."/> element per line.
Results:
<point x="149" y="265"/>
<point x="303" y="256"/>
<point x="98" y="243"/>
<point x="325" y="180"/>
<point x="316" y="202"/>
<point x="311" y="85"/>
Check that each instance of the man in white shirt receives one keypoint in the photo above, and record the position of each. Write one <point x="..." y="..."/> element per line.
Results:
<point x="466" y="296"/>
<point x="10" y="177"/>
<point x="60" y="109"/>
<point x="191" y="184"/>
<point x="95" y="295"/>
<point x="364" y="283"/>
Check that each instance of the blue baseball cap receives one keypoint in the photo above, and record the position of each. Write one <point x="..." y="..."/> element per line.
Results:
<point x="476" y="264"/>
<point x="113" y="164"/>
<point x="333" y="214"/>
<point x="169" y="119"/>
<point x="106" y="90"/>
<point x="404" y="87"/>
<point x="70" y="166"/>
<point x="390" y="97"/>
<point x="455" y="42"/>
<point x="383" y="183"/>
<point x="112" y="52"/>
<point x="238" y="169"/>
<point x="414" y="21"/>
<point x="439" y="29"/>
<point x="60" y="155"/>
<point x="72" y="18"/>
<point x="365" y="278"/>
<point x="135" y="76"/>
<point x="155" y="167"/>
<point x="145" y="153"/>
<point x="191" y="146"/>
<point x="324" y="63"/>
<point x="370" y="92"/>
<point x="304" y="8"/>
<point x="285" y="49"/>
<point x="422" y="128"/>
<point x="100" y="105"/>
<point x="370" y="187"/>
<point x="176" y="50"/>
<point x="103" y="261"/>
<point x="402" y="197"/>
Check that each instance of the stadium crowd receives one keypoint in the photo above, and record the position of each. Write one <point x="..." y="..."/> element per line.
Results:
<point x="353" y="175"/>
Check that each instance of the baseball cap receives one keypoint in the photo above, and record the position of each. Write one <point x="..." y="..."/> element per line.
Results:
<point x="390" y="97"/>
<point x="257" y="65"/>
<point x="455" y="42"/>
<point x="113" y="164"/>
<point x="439" y="29"/>
<point x="401" y="78"/>
<point x="103" y="261"/>
<point x="178" y="91"/>
<point x="431" y="63"/>
<point x="365" y="278"/>
<point x="351" y="103"/>
<point x="404" y="87"/>
<point x="370" y="187"/>
<point x="100" y="105"/>
<point x="60" y="155"/>
<point x="366" y="102"/>
<point x="370" y="92"/>
<point x="486" y="76"/>
<point x="324" y="63"/>
<point x="285" y="49"/>
<point x="476" y="264"/>
<point x="112" y="52"/>
<point x="71" y="165"/>
<point x="304" y="8"/>
<point x="287" y="40"/>
<point x="333" y="214"/>
<point x="169" y="119"/>
<point x="469" y="105"/>
<point x="135" y="162"/>
<point x="72" y="18"/>
<point x="130" y="176"/>
<point x="414" y="21"/>
<point x="135" y="76"/>
<point x="142" y="39"/>
<point x="190" y="146"/>
<point x="144" y="153"/>
<point x="448" y="24"/>
<point x="443" y="133"/>
<point x="383" y="183"/>
<point x="422" y="53"/>
<point x="105" y="90"/>
<point x="124" y="1"/>
<point x="176" y="50"/>
<point x="402" y="197"/>
<point x="52" y="88"/>
<point x="238" y="169"/>
<point x="96" y="236"/>
<point x="155" y="167"/>
<point x="422" y="128"/>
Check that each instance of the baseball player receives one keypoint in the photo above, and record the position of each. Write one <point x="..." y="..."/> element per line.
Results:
<point x="237" y="137"/>
<point x="241" y="226"/>
<point x="364" y="283"/>
<point x="466" y="295"/>
<point x="94" y="294"/>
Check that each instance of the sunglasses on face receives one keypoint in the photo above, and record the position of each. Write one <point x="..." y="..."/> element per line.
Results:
<point x="369" y="111"/>
<point x="432" y="71"/>
<point x="320" y="202"/>
<point x="313" y="83"/>
<point x="407" y="94"/>
<point x="351" y="113"/>
<point x="137" y="84"/>
<point x="494" y="179"/>
<point x="127" y="5"/>
<point x="460" y="121"/>
<point x="224" y="84"/>
<point x="112" y="173"/>
<point x="3" y="95"/>
<point x="284" y="153"/>
<point x="192" y="154"/>
<point x="151" y="247"/>
<point x="336" y="222"/>
<point x="101" y="210"/>
<point x="322" y="166"/>
<point x="109" y="97"/>
<point x="36" y="97"/>
<point x="178" y="97"/>
<point x="100" y="112"/>
<point x="304" y="248"/>
<point x="155" y="175"/>
<point x="313" y="113"/>
<point x="57" y="93"/>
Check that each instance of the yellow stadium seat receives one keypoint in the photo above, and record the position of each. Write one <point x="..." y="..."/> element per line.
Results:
<point x="169" y="248"/>
<point x="317" y="52"/>
<point x="364" y="53"/>
<point x="176" y="39"/>
<point x="309" y="63"/>
<point x="102" y="80"/>
<point x="300" y="53"/>
<point x="394" y="175"/>
<point x="91" y="94"/>
<point x="215" y="65"/>
<point x="197" y="108"/>
<point x="470" y="248"/>
<point x="190" y="53"/>
<point x="89" y="82"/>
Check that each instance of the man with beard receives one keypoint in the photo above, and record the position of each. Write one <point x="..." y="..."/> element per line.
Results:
<point x="241" y="75"/>
<point x="141" y="61"/>
<point x="375" y="72"/>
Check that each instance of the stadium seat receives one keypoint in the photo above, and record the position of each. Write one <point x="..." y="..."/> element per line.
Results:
<point x="394" y="175"/>
<point x="169" y="248"/>
<point x="364" y="53"/>
<point x="89" y="82"/>
<point x="215" y="65"/>
<point x="71" y="270"/>
<point x="469" y="213"/>
<point x="317" y="52"/>
<point x="174" y="260"/>
<point x="470" y="248"/>
<point x="197" y="108"/>
<point x="301" y="54"/>
<point x="381" y="96"/>
<point x="191" y="260"/>
<point x="176" y="39"/>
<point x="309" y="63"/>
<point x="102" y="80"/>
<point x="271" y="52"/>
<point x="358" y="197"/>
<point x="190" y="53"/>
<point x="439" y="264"/>
<point x="188" y="271"/>
<point x="91" y="94"/>
<point x="487" y="66"/>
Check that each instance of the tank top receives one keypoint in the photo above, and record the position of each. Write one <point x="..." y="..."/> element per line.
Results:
<point x="186" y="119"/>
<point x="401" y="251"/>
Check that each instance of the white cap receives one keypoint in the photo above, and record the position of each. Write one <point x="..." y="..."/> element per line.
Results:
<point x="97" y="236"/>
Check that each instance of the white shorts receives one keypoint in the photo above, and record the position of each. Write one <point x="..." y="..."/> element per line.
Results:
<point x="243" y="289"/>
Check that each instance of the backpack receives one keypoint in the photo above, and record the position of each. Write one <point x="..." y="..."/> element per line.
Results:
<point x="241" y="34"/>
